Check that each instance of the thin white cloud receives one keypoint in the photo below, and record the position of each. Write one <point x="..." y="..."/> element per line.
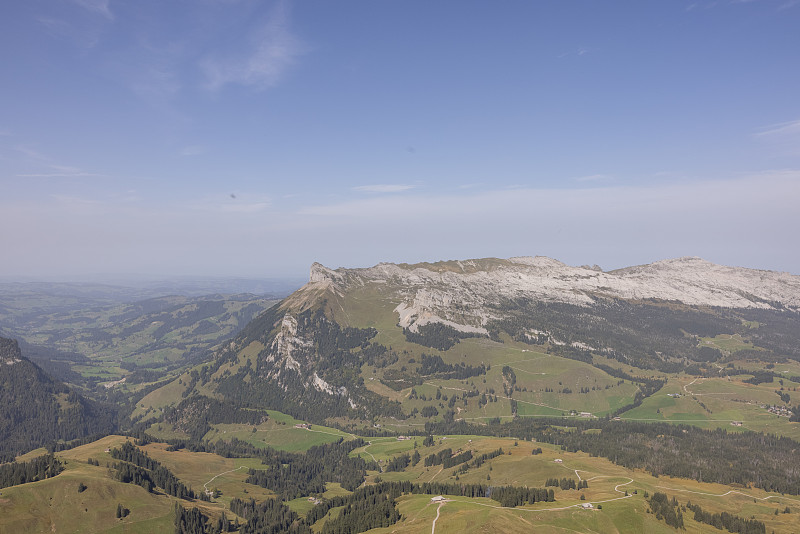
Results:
<point x="783" y="129"/>
<point x="60" y="175"/>
<point x="383" y="188"/>
<point x="99" y="7"/>
<point x="769" y="190"/>
<point x="592" y="178"/>
<point x="156" y="82"/>
<point x="263" y="62"/>
<point x="30" y="153"/>
<point x="82" y="32"/>
<point x="60" y="171"/>
<point x="782" y="138"/>
<point x="582" y="51"/>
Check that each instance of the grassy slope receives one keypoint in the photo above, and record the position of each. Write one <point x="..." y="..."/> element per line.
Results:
<point x="56" y="503"/>
<point x="606" y="481"/>
<point x="725" y="401"/>
<point x="535" y="370"/>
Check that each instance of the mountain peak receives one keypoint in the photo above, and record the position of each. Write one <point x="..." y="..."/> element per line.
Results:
<point x="320" y="273"/>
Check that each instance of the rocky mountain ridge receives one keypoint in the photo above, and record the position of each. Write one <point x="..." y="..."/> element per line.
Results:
<point x="467" y="294"/>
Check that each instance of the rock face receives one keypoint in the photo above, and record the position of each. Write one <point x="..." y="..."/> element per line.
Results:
<point x="468" y="294"/>
<point x="294" y="351"/>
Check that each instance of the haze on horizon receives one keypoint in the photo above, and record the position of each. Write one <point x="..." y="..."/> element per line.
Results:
<point x="250" y="139"/>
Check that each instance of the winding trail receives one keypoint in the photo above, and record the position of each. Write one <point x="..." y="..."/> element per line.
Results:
<point x="561" y="508"/>
<point x="435" y="474"/>
<point x="205" y="486"/>
<point x="433" y="526"/>
<point x="729" y="493"/>
<point x="369" y="444"/>
<point x="686" y="386"/>
<point x="332" y="433"/>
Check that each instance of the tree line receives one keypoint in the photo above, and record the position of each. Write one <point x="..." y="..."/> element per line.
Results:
<point x="136" y="467"/>
<point x="295" y="475"/>
<point x="15" y="473"/>
<point x="193" y="521"/>
<point x="730" y="522"/>
<point x="437" y="336"/>
<point x="268" y="517"/>
<point x="433" y="365"/>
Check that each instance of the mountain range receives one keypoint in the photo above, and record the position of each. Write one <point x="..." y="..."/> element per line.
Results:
<point x="353" y="344"/>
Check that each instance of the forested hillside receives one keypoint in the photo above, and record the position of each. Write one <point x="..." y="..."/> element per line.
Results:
<point x="37" y="410"/>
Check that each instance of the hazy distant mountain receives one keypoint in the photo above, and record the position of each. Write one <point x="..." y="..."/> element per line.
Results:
<point x="37" y="296"/>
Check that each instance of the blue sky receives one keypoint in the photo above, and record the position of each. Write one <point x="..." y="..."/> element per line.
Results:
<point x="251" y="138"/>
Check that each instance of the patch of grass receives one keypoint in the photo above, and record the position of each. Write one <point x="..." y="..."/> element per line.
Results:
<point x="167" y="395"/>
<point x="728" y="343"/>
<point x="279" y="432"/>
<point x="716" y="403"/>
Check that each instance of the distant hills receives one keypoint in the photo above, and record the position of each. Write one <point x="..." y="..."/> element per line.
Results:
<point x="85" y="343"/>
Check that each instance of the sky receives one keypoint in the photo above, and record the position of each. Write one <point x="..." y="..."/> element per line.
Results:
<point x="251" y="138"/>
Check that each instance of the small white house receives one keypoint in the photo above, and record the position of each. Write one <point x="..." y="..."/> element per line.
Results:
<point x="558" y="461"/>
<point x="587" y="506"/>
<point x="438" y="498"/>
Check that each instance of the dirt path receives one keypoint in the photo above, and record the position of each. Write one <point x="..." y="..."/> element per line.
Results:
<point x="561" y="508"/>
<point x="369" y="444"/>
<point x="730" y="493"/>
<point x="205" y="486"/>
<point x="686" y="387"/>
<point x="437" y="472"/>
<point x="433" y="526"/>
<point x="332" y="433"/>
